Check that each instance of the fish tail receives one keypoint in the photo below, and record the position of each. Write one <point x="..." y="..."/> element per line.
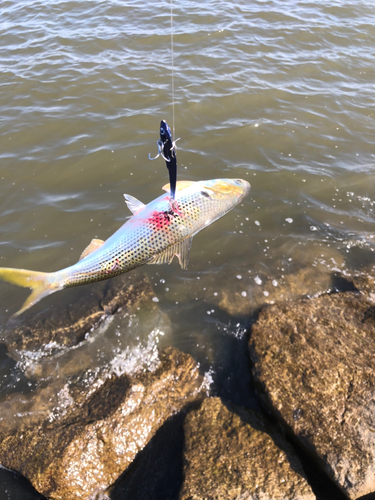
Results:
<point x="41" y="284"/>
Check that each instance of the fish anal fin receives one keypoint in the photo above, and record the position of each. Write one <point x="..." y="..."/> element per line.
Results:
<point x="180" y="185"/>
<point x="133" y="204"/>
<point x="183" y="251"/>
<point x="180" y="250"/>
<point x="94" y="245"/>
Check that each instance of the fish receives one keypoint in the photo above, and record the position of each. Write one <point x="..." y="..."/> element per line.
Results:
<point x="154" y="234"/>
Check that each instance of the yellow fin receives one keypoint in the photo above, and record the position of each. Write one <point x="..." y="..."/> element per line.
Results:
<point x="94" y="245"/>
<point x="180" y="249"/>
<point x="40" y="284"/>
<point x="180" y="185"/>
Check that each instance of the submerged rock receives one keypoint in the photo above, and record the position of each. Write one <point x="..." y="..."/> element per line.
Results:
<point x="67" y="323"/>
<point x="314" y="363"/>
<point x="231" y="453"/>
<point x="85" y="451"/>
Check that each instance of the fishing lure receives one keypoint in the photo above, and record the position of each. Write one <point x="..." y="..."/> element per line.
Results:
<point x="167" y="150"/>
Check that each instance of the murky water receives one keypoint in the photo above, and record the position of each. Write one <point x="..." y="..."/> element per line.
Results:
<point x="280" y="93"/>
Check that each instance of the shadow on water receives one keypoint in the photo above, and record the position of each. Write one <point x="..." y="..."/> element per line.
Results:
<point x="360" y="258"/>
<point x="219" y="345"/>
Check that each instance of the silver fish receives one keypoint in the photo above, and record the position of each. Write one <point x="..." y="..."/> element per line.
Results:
<point x="153" y="235"/>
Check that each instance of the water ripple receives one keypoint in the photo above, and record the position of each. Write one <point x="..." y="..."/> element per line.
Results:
<point x="280" y="93"/>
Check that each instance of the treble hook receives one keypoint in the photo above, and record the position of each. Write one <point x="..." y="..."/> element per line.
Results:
<point x="167" y="150"/>
<point x="160" y="151"/>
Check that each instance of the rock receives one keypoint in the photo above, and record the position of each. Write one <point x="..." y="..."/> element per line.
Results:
<point x="232" y="453"/>
<point x="157" y="472"/>
<point x="125" y="343"/>
<point x="66" y="324"/>
<point x="82" y="453"/>
<point x="313" y="361"/>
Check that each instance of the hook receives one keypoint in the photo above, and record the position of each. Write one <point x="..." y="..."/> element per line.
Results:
<point x="160" y="145"/>
<point x="174" y="147"/>
<point x="160" y="151"/>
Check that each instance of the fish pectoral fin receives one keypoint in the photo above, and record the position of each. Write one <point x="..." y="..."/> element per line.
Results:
<point x="133" y="204"/>
<point x="94" y="245"/>
<point x="180" y="250"/>
<point x="180" y="185"/>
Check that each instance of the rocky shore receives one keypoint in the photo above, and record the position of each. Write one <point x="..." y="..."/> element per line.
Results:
<point x="157" y="432"/>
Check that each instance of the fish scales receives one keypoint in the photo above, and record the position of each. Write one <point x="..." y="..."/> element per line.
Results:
<point x="138" y="240"/>
<point x="153" y="235"/>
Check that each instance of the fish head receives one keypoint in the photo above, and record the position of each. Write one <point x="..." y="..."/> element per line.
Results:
<point x="226" y="190"/>
<point x="207" y="201"/>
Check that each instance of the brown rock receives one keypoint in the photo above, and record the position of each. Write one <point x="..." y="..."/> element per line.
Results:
<point x="314" y="363"/>
<point x="231" y="453"/>
<point x="87" y="449"/>
<point x="66" y="323"/>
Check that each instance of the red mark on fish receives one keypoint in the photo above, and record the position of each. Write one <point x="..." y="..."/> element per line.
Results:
<point x="160" y="219"/>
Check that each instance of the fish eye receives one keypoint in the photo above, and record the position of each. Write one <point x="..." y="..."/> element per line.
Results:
<point x="161" y="131"/>
<point x="238" y="182"/>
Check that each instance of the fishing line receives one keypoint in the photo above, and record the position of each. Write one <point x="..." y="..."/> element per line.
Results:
<point x="172" y="69"/>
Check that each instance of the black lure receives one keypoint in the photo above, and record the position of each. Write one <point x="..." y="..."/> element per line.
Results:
<point x="169" y="155"/>
<point x="167" y="149"/>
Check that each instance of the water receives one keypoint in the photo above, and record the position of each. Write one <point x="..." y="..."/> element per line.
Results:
<point x="280" y="93"/>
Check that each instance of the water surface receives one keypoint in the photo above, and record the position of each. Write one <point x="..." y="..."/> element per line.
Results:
<point x="280" y="93"/>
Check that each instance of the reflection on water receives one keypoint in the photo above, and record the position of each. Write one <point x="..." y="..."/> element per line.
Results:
<point x="277" y="93"/>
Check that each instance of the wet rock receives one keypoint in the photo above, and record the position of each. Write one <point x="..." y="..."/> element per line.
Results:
<point x="156" y="474"/>
<point x="314" y="364"/>
<point x="43" y="386"/>
<point x="364" y="283"/>
<point x="231" y="453"/>
<point x="248" y="295"/>
<point x="67" y="323"/>
<point x="84" y="451"/>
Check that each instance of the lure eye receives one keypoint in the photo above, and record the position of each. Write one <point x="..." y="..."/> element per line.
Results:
<point x="162" y="131"/>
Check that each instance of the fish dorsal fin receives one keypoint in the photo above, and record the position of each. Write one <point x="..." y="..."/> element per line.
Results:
<point x="180" y="249"/>
<point x="134" y="205"/>
<point x="180" y="185"/>
<point x="94" y="245"/>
